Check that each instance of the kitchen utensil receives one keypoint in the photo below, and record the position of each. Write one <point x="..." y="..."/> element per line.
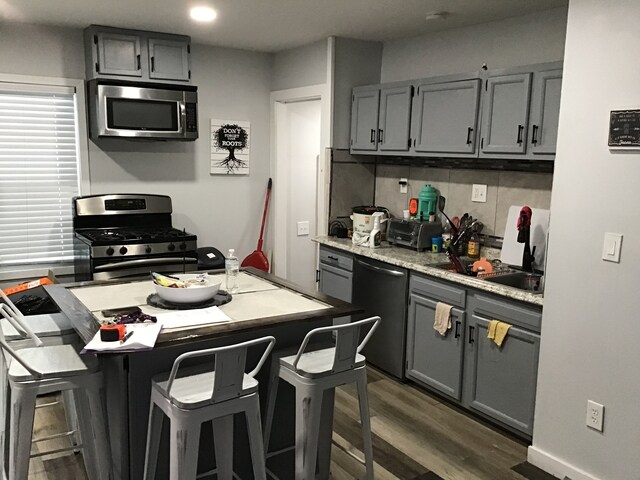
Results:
<point x="191" y="294"/>
<point x="441" y="203"/>
<point x="257" y="259"/>
<point x="482" y="265"/>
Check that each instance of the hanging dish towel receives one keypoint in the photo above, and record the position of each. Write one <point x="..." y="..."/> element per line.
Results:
<point x="498" y="331"/>
<point x="442" y="322"/>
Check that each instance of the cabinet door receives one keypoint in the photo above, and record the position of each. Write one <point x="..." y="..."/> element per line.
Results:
<point x="336" y="282"/>
<point x="394" y="123"/>
<point x="446" y="117"/>
<point x="503" y="380"/>
<point x="364" y="119"/>
<point x="505" y="114"/>
<point x="169" y="59"/>
<point x="432" y="359"/>
<point x="118" y="54"/>
<point x="545" y="111"/>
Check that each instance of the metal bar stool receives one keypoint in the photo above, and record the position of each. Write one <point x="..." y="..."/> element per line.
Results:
<point x="314" y="373"/>
<point x="214" y="396"/>
<point x="45" y="369"/>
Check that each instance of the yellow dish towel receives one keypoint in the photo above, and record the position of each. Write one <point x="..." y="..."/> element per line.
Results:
<point x="498" y="331"/>
<point x="442" y="321"/>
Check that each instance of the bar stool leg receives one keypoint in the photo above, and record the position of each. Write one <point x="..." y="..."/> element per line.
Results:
<point x="272" y="396"/>
<point x="366" y="423"/>
<point x="154" y="430"/>
<point x="326" y="434"/>
<point x="254" y="430"/>
<point x="90" y="435"/>
<point x="308" y="408"/>
<point x="183" y="455"/>
<point x="23" y="406"/>
<point x="71" y="416"/>
<point x="223" y="444"/>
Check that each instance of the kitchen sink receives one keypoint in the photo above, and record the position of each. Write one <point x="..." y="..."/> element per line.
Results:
<point x="522" y="280"/>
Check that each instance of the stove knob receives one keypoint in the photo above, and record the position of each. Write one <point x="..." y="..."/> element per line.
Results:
<point x="123" y="250"/>
<point x="171" y="247"/>
<point x="183" y="246"/>
<point x="148" y="249"/>
<point x="110" y="251"/>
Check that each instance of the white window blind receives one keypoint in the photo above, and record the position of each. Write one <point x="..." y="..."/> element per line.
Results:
<point x="38" y="173"/>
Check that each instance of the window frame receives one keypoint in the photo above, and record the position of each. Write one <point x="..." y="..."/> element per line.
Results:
<point x="27" y="271"/>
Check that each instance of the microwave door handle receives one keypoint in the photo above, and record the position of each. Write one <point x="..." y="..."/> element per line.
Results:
<point x="182" y="120"/>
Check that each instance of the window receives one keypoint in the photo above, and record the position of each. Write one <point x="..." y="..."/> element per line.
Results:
<point x="39" y="173"/>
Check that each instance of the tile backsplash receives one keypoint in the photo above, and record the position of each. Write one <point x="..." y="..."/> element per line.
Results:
<point x="504" y="188"/>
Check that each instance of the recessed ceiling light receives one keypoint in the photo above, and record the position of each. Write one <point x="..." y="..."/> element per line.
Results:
<point x="436" y="16"/>
<point x="203" y="14"/>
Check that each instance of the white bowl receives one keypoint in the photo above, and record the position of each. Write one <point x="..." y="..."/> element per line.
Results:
<point x="192" y="294"/>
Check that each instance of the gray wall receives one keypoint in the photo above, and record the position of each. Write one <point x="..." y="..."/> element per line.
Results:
<point x="503" y="190"/>
<point x="590" y="328"/>
<point x="232" y="84"/>
<point x="529" y="39"/>
<point x="300" y="67"/>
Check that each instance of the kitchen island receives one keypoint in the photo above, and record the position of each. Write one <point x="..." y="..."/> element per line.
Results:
<point x="265" y="305"/>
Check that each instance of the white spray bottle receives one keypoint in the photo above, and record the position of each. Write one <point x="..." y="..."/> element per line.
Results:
<point x="375" y="237"/>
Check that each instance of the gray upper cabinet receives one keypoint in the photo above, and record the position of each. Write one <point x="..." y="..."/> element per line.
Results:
<point x="364" y="119"/>
<point x="169" y="59"/>
<point x="433" y="359"/>
<point x="117" y="54"/>
<point x="505" y="114"/>
<point x="136" y="55"/>
<point x="394" y="121"/>
<point x="445" y="117"/>
<point x="545" y="112"/>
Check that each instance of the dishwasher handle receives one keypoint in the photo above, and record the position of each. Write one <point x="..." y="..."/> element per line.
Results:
<point x="386" y="271"/>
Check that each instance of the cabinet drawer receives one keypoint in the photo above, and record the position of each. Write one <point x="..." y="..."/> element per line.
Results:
<point x="438" y="290"/>
<point x="493" y="308"/>
<point x="330" y="256"/>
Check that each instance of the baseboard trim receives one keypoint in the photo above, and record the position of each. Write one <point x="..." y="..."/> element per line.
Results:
<point x="555" y="466"/>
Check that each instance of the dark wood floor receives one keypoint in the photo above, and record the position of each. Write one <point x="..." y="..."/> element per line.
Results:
<point x="415" y="437"/>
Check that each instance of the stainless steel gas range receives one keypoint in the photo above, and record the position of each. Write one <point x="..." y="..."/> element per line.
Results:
<point x="121" y="235"/>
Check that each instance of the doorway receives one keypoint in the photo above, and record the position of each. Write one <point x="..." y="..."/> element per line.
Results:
<point x="298" y="172"/>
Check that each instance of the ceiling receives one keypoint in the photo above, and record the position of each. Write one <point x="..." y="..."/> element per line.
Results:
<point x="272" y="25"/>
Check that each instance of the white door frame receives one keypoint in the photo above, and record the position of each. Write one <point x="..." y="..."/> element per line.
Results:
<point x="313" y="92"/>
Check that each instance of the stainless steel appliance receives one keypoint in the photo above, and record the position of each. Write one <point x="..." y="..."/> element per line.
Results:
<point x="121" y="235"/>
<point x="382" y="291"/>
<point x="145" y="111"/>
<point x="413" y="233"/>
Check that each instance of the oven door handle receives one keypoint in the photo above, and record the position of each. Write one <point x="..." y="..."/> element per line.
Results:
<point x="143" y="262"/>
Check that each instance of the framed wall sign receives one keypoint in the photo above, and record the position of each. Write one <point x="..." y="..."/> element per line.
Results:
<point x="624" y="128"/>
<point x="230" y="147"/>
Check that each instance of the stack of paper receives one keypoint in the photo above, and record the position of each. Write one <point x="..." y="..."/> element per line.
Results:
<point x="191" y="318"/>
<point x="143" y="338"/>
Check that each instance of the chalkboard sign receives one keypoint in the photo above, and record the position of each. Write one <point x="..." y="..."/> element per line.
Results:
<point x="624" y="128"/>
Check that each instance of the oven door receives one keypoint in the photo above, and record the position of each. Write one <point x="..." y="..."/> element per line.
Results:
<point x="142" y="266"/>
<point x="140" y="112"/>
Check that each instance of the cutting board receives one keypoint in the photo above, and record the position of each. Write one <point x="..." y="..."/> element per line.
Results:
<point x="512" y="250"/>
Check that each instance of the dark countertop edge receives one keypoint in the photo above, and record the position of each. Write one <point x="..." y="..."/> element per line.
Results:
<point x="86" y="325"/>
<point x="512" y="293"/>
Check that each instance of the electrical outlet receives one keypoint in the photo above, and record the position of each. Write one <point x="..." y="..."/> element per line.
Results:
<point x="303" y="229"/>
<point x="403" y="185"/>
<point x="479" y="193"/>
<point x="595" y="415"/>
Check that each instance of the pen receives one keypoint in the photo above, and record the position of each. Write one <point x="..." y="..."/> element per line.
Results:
<point x="126" y="337"/>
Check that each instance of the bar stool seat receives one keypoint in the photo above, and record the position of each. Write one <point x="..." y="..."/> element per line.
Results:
<point x="315" y="375"/>
<point x="194" y="390"/>
<point x="56" y="361"/>
<point x="212" y="396"/>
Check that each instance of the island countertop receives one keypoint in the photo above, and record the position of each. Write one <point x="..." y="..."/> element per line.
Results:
<point x="263" y="300"/>
<point x="424" y="262"/>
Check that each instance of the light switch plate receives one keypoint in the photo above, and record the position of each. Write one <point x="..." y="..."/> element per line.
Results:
<point x="403" y="185"/>
<point x="479" y="193"/>
<point x="303" y="228"/>
<point x="612" y="246"/>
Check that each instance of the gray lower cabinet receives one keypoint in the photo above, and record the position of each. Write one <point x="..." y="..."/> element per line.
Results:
<point x="496" y="382"/>
<point x="445" y="118"/>
<point x="335" y="276"/>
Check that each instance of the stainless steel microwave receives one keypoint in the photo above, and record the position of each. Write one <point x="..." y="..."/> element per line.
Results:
<point x="142" y="111"/>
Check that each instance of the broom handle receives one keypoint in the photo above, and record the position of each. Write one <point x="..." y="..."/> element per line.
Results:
<point x="264" y="215"/>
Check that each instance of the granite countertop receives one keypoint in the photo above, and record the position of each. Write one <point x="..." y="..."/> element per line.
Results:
<point x="423" y="263"/>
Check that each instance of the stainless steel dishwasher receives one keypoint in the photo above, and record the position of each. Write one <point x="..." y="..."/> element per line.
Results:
<point x="381" y="289"/>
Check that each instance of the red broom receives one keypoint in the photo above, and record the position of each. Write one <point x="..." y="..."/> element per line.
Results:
<point x="257" y="259"/>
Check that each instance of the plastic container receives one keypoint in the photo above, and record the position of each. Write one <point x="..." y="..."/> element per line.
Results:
<point x="375" y="236"/>
<point x="473" y="245"/>
<point x="436" y="244"/>
<point x="428" y="201"/>
<point x="232" y="269"/>
<point x="446" y="240"/>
